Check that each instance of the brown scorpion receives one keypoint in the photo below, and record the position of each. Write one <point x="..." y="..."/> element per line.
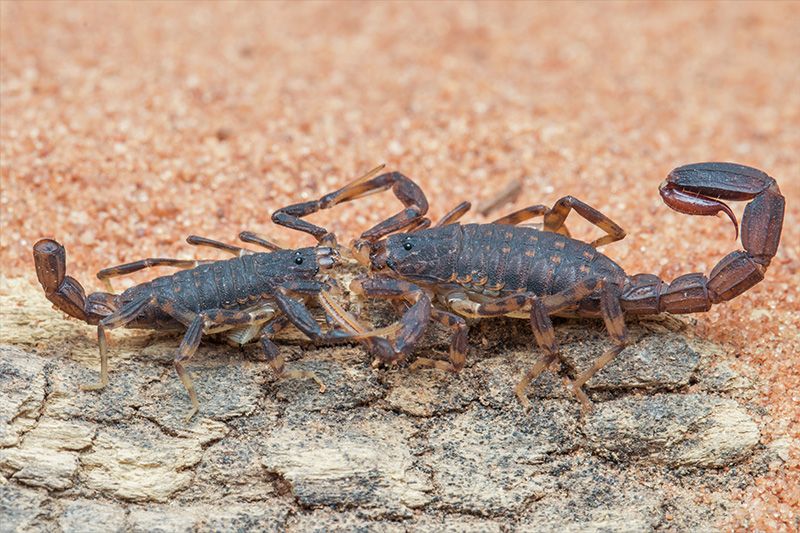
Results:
<point x="504" y="269"/>
<point x="253" y="295"/>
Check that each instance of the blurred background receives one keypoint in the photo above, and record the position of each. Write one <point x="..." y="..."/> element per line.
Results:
<point x="125" y="127"/>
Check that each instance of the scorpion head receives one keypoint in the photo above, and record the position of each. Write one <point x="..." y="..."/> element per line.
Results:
<point x="427" y="256"/>
<point x="303" y="263"/>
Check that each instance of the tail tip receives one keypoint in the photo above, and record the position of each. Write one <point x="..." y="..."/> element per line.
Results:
<point x="50" y="260"/>
<point x="47" y="247"/>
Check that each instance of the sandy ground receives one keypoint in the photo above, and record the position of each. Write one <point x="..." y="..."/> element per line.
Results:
<point x="125" y="128"/>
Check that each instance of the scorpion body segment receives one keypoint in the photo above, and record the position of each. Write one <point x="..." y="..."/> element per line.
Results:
<point x="250" y="296"/>
<point x="502" y="269"/>
<point x="489" y="261"/>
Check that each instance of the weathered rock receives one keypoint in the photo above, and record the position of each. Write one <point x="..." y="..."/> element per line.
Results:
<point x="656" y="362"/>
<point x="320" y="521"/>
<point x="22" y="510"/>
<point x="227" y="384"/>
<point x="359" y="459"/>
<point x="430" y="392"/>
<point x="22" y="390"/>
<point x="491" y="462"/>
<point x="324" y="521"/>
<point x="591" y="497"/>
<point x="118" y="401"/>
<point x="721" y="377"/>
<point x="349" y="382"/>
<point x="86" y="516"/>
<point x="381" y="449"/>
<point x="232" y="466"/>
<point x="139" y="463"/>
<point x="249" y="517"/>
<point x="673" y="429"/>
<point x="47" y="455"/>
<point x="160" y="519"/>
<point x="454" y="524"/>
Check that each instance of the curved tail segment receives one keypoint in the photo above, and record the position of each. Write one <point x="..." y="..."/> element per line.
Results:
<point x="699" y="189"/>
<point x="64" y="291"/>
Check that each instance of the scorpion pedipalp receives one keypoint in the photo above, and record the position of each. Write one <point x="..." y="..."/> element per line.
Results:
<point x="352" y="190"/>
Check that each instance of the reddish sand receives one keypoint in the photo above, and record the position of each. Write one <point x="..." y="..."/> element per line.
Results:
<point x="126" y="127"/>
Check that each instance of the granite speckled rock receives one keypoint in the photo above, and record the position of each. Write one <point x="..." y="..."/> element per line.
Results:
<point x="652" y="361"/>
<point x="592" y="497"/>
<point x="359" y="459"/>
<point x="87" y="516"/>
<point x="23" y="509"/>
<point x="676" y="430"/>
<point x="138" y="462"/>
<point x="47" y="456"/>
<point x="491" y="462"/>
<point x="22" y="383"/>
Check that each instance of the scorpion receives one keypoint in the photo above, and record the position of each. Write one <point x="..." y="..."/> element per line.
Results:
<point x="254" y="294"/>
<point x="506" y="269"/>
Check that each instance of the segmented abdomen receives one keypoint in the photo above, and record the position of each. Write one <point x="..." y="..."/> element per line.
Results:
<point x="225" y="284"/>
<point x="500" y="259"/>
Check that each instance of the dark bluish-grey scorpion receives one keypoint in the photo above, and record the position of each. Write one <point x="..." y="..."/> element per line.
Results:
<point x="251" y="296"/>
<point x="504" y="269"/>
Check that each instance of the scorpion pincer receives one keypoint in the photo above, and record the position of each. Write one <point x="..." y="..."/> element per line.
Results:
<point x="504" y="269"/>
<point x="253" y="295"/>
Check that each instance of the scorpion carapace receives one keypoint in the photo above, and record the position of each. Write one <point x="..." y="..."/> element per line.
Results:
<point x="252" y="295"/>
<point x="504" y="269"/>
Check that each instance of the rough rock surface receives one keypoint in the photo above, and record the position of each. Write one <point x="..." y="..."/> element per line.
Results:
<point x="671" y="434"/>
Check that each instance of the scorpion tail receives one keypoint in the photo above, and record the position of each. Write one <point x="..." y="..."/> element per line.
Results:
<point x="699" y="189"/>
<point x="64" y="291"/>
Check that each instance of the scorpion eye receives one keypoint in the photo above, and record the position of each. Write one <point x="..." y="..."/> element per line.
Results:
<point x="407" y="245"/>
<point x="298" y="260"/>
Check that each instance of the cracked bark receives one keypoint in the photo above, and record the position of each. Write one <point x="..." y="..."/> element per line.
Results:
<point x="381" y="449"/>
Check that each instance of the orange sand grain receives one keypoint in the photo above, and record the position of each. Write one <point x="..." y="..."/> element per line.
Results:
<point x="125" y="127"/>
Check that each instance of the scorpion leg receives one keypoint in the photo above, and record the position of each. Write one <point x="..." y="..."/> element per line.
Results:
<point x="106" y="274"/>
<point x="458" y="344"/>
<point x="555" y="216"/>
<point x="122" y="316"/>
<point x="454" y="214"/>
<point x="408" y="192"/>
<point x="197" y="240"/>
<point x="254" y="238"/>
<point x="554" y="220"/>
<point x="450" y="217"/>
<point x="276" y="360"/>
<point x="527" y="213"/>
<point x="421" y="224"/>
<point x="197" y="324"/>
<point x="611" y="311"/>
<point x="541" y="307"/>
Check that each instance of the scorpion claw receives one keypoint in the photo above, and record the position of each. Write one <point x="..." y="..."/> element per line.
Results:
<point x="329" y="240"/>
